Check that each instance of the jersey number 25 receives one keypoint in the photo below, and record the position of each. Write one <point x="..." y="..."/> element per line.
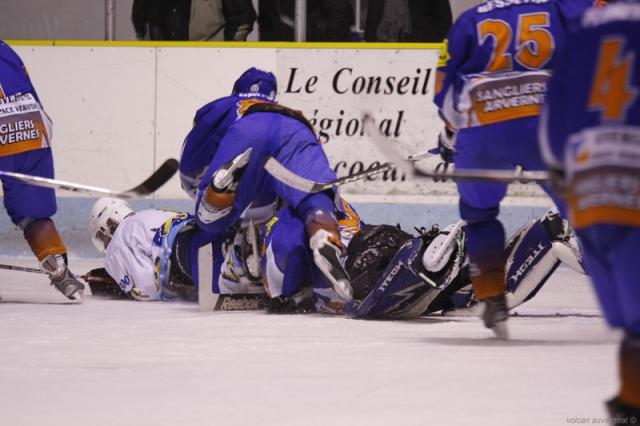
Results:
<point x="534" y="42"/>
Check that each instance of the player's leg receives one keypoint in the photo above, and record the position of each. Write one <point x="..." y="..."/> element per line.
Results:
<point x="610" y="258"/>
<point x="319" y="214"/>
<point x="286" y="263"/>
<point x="485" y="236"/>
<point x="31" y="207"/>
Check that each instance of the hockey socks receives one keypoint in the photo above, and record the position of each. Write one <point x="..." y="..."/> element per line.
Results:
<point x="46" y="244"/>
<point x="43" y="238"/>
<point x="630" y="371"/>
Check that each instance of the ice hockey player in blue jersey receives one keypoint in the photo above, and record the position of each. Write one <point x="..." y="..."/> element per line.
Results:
<point x="212" y="121"/>
<point x="235" y="178"/>
<point x="590" y="137"/>
<point x="25" y="147"/>
<point x="490" y="86"/>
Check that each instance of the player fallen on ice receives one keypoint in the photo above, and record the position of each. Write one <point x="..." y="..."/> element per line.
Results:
<point x="147" y="253"/>
<point x="235" y="177"/>
<point x="25" y="147"/>
<point x="397" y="275"/>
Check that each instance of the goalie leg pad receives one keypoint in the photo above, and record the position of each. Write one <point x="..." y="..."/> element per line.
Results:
<point x="530" y="263"/>
<point x="400" y="292"/>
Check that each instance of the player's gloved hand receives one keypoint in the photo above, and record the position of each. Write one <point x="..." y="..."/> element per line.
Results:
<point x="102" y="285"/>
<point x="226" y="179"/>
<point x="446" y="144"/>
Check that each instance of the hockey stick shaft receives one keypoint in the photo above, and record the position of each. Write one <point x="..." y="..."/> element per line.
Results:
<point x="159" y="177"/>
<point x="409" y="168"/>
<point x="284" y="175"/>
<point x="85" y="277"/>
<point x="22" y="269"/>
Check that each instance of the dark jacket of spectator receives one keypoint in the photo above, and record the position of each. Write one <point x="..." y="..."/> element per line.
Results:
<point x="327" y="20"/>
<point x="193" y="19"/>
<point x="407" y="20"/>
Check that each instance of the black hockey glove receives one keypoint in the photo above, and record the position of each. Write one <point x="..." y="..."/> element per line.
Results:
<point x="446" y="143"/>
<point x="102" y="285"/>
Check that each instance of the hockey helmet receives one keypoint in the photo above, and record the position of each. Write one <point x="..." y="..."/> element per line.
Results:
<point x="106" y="214"/>
<point x="256" y="83"/>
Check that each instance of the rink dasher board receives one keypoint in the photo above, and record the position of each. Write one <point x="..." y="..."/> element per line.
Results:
<point x="120" y="108"/>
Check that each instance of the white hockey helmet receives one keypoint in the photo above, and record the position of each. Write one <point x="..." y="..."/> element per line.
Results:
<point x="106" y="215"/>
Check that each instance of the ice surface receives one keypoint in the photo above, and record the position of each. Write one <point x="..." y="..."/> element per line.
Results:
<point x="131" y="363"/>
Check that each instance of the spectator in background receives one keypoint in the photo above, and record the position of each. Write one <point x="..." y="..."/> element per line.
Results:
<point x="327" y="20"/>
<point x="195" y="20"/>
<point x="407" y="20"/>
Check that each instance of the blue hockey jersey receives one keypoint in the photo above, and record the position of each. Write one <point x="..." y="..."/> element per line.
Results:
<point x="591" y="123"/>
<point x="497" y="60"/>
<point x="24" y="126"/>
<point x="209" y="127"/>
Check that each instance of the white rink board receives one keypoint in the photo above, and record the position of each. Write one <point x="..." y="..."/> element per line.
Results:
<point x="118" y="112"/>
<point x="395" y="86"/>
<point x="101" y="101"/>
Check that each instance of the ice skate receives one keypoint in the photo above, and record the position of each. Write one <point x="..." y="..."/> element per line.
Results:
<point x="62" y="278"/>
<point x="326" y="255"/>
<point x="621" y="413"/>
<point x="69" y="285"/>
<point x="495" y="315"/>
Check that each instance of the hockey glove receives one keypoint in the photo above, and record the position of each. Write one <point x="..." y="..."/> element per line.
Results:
<point x="446" y="144"/>
<point x="102" y="285"/>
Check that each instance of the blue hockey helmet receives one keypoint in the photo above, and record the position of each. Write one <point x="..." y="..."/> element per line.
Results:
<point x="256" y="83"/>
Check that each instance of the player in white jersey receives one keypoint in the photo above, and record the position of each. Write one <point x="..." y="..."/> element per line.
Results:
<point x="148" y="253"/>
<point x="138" y="248"/>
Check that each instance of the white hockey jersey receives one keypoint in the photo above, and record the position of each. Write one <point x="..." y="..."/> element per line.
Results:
<point x="132" y="253"/>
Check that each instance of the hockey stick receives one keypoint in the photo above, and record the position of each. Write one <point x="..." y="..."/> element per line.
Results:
<point x="40" y="271"/>
<point x="149" y="186"/>
<point x="286" y="176"/>
<point x="409" y="168"/>
<point x="22" y="269"/>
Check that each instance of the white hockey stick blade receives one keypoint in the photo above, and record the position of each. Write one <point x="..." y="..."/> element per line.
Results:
<point x="207" y="299"/>
<point x="286" y="176"/>
<point x="408" y="167"/>
<point x="149" y="186"/>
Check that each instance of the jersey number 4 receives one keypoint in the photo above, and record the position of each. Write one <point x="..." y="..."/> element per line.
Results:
<point x="611" y="92"/>
<point x="534" y="42"/>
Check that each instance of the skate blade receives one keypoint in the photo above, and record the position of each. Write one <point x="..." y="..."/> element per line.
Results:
<point x="77" y="297"/>
<point x="501" y="330"/>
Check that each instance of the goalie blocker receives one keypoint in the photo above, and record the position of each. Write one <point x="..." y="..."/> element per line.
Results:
<point x="398" y="276"/>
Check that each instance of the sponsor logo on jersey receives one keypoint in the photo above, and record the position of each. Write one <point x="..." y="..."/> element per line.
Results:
<point x="23" y="124"/>
<point x="494" y="100"/>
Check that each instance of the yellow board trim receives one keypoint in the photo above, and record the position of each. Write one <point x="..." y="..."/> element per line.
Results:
<point x="226" y="44"/>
